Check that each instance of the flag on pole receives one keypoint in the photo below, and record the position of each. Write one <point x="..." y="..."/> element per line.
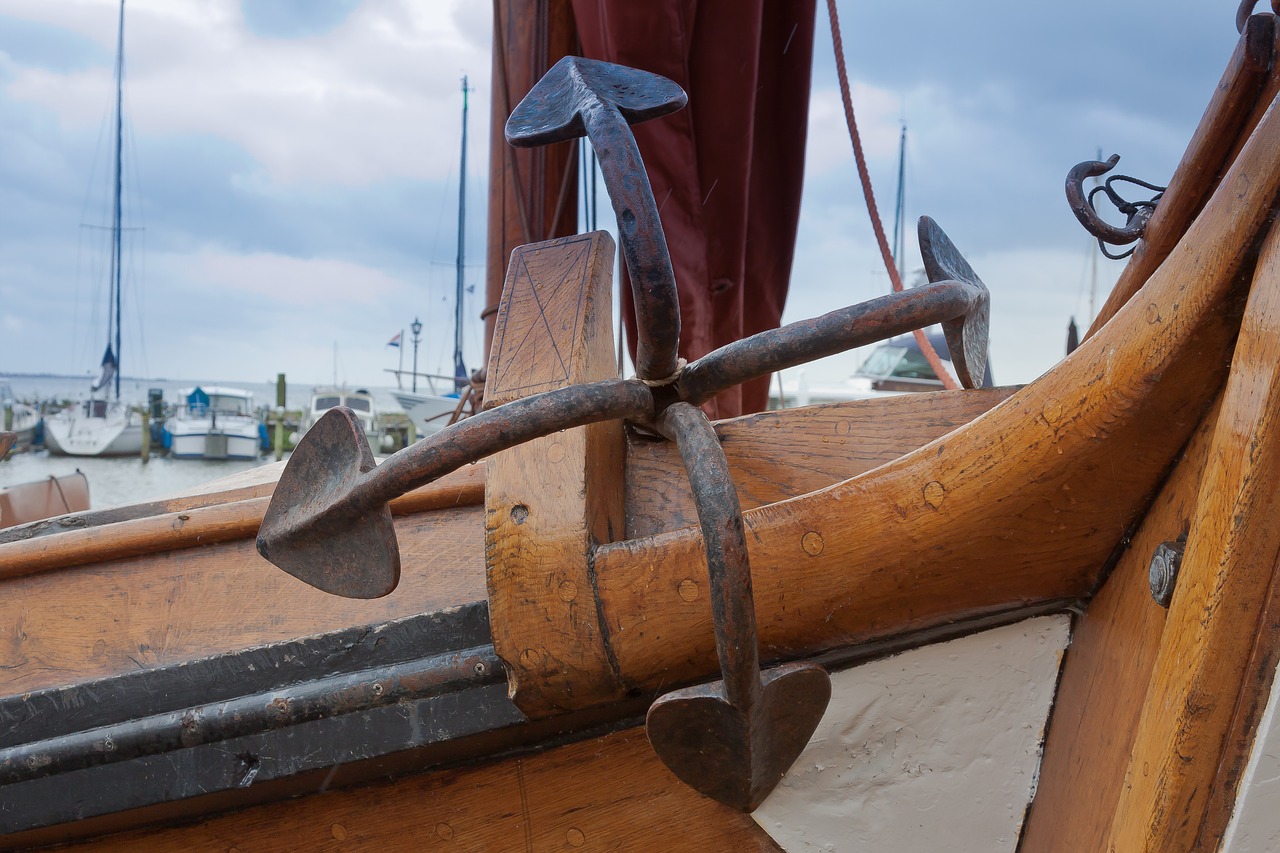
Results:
<point x="395" y="342"/>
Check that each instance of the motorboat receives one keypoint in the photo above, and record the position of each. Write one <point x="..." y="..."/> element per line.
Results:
<point x="359" y="401"/>
<point x="896" y="366"/>
<point x="215" y="422"/>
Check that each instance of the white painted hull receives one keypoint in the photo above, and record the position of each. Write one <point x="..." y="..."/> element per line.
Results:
<point x="198" y="439"/>
<point x="70" y="433"/>
<point x="429" y="413"/>
<point x="937" y="748"/>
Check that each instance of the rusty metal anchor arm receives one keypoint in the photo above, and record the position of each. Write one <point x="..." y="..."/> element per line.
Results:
<point x="732" y="739"/>
<point x="329" y="524"/>
<point x="844" y="329"/>
<point x="725" y="541"/>
<point x="600" y="100"/>
<point x="506" y="426"/>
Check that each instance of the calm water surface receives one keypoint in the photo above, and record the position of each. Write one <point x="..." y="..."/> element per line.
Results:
<point x="126" y="480"/>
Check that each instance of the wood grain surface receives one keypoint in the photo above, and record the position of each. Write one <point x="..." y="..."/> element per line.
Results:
<point x="1024" y="504"/>
<point x="549" y="501"/>
<point x="1201" y="669"/>
<point x="778" y="455"/>
<point x="610" y="793"/>
<point x="57" y="628"/>
<point x="205" y="520"/>
<point x="1105" y="676"/>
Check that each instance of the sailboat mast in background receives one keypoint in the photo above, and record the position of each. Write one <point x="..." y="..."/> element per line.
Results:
<point x="900" y="208"/>
<point x="114" y="322"/>
<point x="459" y="366"/>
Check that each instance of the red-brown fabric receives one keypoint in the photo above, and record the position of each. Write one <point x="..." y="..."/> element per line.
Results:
<point x="727" y="170"/>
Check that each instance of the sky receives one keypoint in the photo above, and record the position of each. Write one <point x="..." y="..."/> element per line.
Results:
<point x="291" y="170"/>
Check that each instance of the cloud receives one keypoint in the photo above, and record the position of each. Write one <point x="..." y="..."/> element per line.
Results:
<point x="267" y="277"/>
<point x="356" y="103"/>
<point x="297" y="180"/>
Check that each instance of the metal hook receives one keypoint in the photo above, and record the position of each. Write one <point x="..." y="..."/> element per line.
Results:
<point x="1138" y="212"/>
<point x="1246" y="9"/>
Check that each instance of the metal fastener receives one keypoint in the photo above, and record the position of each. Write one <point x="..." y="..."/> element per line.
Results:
<point x="1163" y="574"/>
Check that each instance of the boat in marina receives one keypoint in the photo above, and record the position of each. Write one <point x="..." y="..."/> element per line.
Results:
<point x="896" y="366"/>
<point x="1041" y="618"/>
<point x="18" y="418"/>
<point x="104" y="425"/>
<point x="358" y="400"/>
<point x="94" y="427"/>
<point x="215" y="422"/>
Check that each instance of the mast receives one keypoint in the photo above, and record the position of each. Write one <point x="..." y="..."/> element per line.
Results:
<point x="899" y="210"/>
<point x="459" y="367"/>
<point x="115" y="314"/>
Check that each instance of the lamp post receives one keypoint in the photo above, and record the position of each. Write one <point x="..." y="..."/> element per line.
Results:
<point x="417" y="332"/>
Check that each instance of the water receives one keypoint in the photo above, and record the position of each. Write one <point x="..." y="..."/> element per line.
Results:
<point x="126" y="480"/>
<point x="123" y="480"/>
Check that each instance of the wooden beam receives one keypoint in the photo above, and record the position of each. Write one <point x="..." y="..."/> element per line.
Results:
<point x="778" y="455"/>
<point x="1228" y="571"/>
<point x="61" y="627"/>
<point x="190" y="523"/>
<point x="1026" y="503"/>
<point x="550" y="501"/>
<point x="1105" y="676"/>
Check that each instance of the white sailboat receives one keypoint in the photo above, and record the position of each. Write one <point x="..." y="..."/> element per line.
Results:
<point x="104" y="425"/>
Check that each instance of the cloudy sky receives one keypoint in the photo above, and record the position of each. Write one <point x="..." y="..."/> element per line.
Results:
<point x="292" y="169"/>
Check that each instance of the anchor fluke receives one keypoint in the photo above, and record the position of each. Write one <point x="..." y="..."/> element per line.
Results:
<point x="314" y="531"/>
<point x="562" y="104"/>
<point x="967" y="334"/>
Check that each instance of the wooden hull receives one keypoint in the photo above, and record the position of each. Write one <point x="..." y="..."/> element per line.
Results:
<point x="160" y="680"/>
<point x="28" y="502"/>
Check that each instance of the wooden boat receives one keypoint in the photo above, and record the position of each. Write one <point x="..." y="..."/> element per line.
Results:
<point x="976" y="567"/>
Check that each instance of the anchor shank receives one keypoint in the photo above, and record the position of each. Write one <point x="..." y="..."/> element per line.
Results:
<point x="644" y="244"/>
<point x="488" y="432"/>
<point x="724" y="536"/>
<point x="840" y="330"/>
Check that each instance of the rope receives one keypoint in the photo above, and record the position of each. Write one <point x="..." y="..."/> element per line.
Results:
<point x="948" y="381"/>
<point x="65" y="504"/>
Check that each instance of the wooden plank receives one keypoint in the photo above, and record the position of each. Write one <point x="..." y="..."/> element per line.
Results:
<point x="1024" y="504"/>
<point x="778" y="455"/>
<point x="550" y="501"/>
<point x="609" y="793"/>
<point x="1227" y="121"/>
<point x="1227" y="573"/>
<point x="57" y="628"/>
<point x="1105" y="676"/>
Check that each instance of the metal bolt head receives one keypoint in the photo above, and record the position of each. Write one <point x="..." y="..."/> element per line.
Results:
<point x="1163" y="573"/>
